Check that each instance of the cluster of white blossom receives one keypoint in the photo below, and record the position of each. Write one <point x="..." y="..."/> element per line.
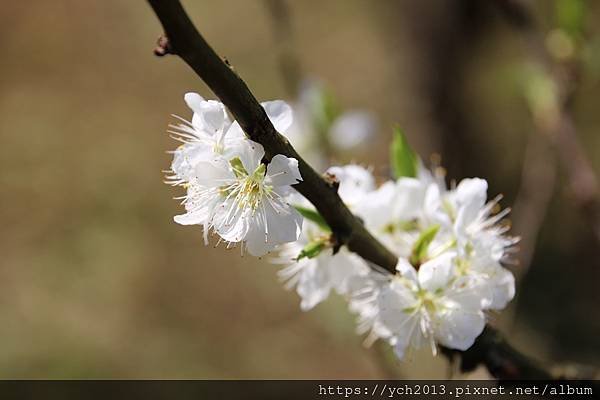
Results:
<point x="450" y="242"/>
<point x="450" y="247"/>
<point x="229" y="189"/>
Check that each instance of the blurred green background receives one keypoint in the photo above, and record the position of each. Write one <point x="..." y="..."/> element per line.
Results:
<point x="96" y="281"/>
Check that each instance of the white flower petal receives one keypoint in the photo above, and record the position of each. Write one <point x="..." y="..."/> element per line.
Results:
<point x="400" y="345"/>
<point x="393" y="300"/>
<point x="269" y="228"/>
<point x="457" y="328"/>
<point x="313" y="285"/>
<point x="283" y="225"/>
<point x="503" y="288"/>
<point x="212" y="117"/>
<point x="235" y="131"/>
<point x="355" y="182"/>
<point x="472" y="190"/>
<point x="231" y="223"/>
<point x="432" y="201"/>
<point x="470" y="291"/>
<point x="187" y="157"/>
<point x="467" y="214"/>
<point x="280" y="114"/>
<point x="197" y="218"/>
<point x="213" y="174"/>
<point x="352" y="129"/>
<point x="342" y="267"/>
<point x="251" y="154"/>
<point x="194" y="101"/>
<point x="406" y="269"/>
<point x="436" y="273"/>
<point x="410" y="198"/>
<point x="374" y="207"/>
<point x="283" y="171"/>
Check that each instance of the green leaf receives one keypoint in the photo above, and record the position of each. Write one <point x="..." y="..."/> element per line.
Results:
<point x="419" y="250"/>
<point x="314" y="248"/>
<point x="314" y="216"/>
<point x="403" y="159"/>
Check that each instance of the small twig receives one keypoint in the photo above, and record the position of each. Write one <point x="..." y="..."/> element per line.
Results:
<point x="162" y="47"/>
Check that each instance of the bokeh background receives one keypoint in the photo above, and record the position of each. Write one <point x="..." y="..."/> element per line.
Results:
<point x="96" y="281"/>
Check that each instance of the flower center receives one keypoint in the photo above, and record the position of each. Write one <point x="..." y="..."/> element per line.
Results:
<point x="218" y="147"/>
<point x="426" y="300"/>
<point x="251" y="193"/>
<point x="249" y="189"/>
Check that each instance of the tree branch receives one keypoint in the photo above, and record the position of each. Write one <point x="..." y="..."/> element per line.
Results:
<point x="501" y="359"/>
<point x="186" y="42"/>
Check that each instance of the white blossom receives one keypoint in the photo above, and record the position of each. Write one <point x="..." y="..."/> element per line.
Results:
<point x="451" y="242"/>
<point x="352" y="129"/>
<point x="211" y="134"/>
<point x="355" y="182"/>
<point x="396" y="212"/>
<point x="208" y="136"/>
<point x="244" y="201"/>
<point x="466" y="245"/>
<point x="315" y="278"/>
<point x="229" y="189"/>
<point x="431" y="306"/>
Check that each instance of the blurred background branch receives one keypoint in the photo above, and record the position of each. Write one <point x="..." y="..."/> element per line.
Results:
<point x="558" y="56"/>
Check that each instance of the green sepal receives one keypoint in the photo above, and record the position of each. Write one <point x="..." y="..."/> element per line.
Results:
<point x="419" y="250"/>
<point x="314" y="248"/>
<point x="314" y="216"/>
<point x="238" y="167"/>
<point x="259" y="173"/>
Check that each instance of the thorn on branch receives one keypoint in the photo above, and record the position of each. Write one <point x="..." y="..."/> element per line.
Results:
<point x="335" y="243"/>
<point x="338" y="239"/>
<point x="163" y="47"/>
<point x="226" y="61"/>
<point x="332" y="181"/>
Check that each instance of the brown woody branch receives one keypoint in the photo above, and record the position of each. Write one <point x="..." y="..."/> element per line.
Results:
<point x="185" y="41"/>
